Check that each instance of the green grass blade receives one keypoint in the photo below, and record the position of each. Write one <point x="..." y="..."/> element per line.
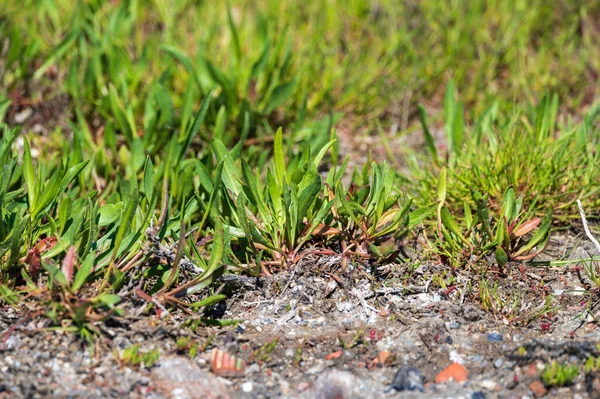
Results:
<point x="279" y="158"/>
<point x="428" y="137"/>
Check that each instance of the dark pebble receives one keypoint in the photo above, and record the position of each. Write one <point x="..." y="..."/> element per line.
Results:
<point x="408" y="379"/>
<point x="494" y="337"/>
<point x="512" y="384"/>
<point x="448" y="340"/>
<point x="218" y="311"/>
<point x="478" y="395"/>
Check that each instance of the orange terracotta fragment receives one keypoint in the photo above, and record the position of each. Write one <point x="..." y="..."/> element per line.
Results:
<point x="455" y="372"/>
<point x="538" y="388"/>
<point x="383" y="356"/>
<point x="333" y="355"/>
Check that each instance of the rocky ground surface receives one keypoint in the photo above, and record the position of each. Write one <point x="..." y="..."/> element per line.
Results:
<point x="320" y="332"/>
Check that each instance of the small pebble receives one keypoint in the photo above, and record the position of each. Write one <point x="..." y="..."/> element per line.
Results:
<point x="303" y="386"/>
<point x="488" y="385"/>
<point x="11" y="343"/>
<point x="498" y="363"/>
<point x="454" y="326"/>
<point x="478" y="395"/>
<point x="316" y="369"/>
<point x="512" y="384"/>
<point x="494" y="337"/>
<point x="334" y="384"/>
<point x="247" y="387"/>
<point x="253" y="368"/>
<point x="23" y="115"/>
<point x="477" y="358"/>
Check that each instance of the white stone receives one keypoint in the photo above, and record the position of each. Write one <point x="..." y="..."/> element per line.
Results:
<point x="247" y="387"/>
<point x="488" y="384"/>
<point x="455" y="357"/>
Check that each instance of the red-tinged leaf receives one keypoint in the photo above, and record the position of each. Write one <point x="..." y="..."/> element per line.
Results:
<point x="204" y="240"/>
<point x="324" y="230"/>
<point x="34" y="256"/>
<point x="47" y="244"/>
<point x="34" y="260"/>
<point x="226" y="365"/>
<point x="527" y="227"/>
<point x="68" y="264"/>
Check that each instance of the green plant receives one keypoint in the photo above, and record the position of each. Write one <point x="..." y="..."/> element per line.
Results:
<point x="592" y="270"/>
<point x="277" y="215"/>
<point x="64" y="249"/>
<point x="592" y="365"/>
<point x="547" y="164"/>
<point x="478" y="233"/>
<point x="559" y="375"/>
<point x="372" y="216"/>
<point x="131" y="356"/>
<point x="263" y="353"/>
<point x="187" y="344"/>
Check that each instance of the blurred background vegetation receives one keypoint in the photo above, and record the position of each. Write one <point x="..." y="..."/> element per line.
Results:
<point x="371" y="60"/>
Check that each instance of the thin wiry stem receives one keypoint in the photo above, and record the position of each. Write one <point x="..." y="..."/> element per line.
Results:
<point x="586" y="228"/>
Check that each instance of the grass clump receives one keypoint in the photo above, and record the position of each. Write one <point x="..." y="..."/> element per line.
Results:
<point x="512" y="236"/>
<point x="73" y="253"/>
<point x="559" y="375"/>
<point x="131" y="356"/>
<point x="548" y="165"/>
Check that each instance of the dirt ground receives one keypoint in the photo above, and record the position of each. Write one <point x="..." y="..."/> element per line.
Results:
<point x="316" y="332"/>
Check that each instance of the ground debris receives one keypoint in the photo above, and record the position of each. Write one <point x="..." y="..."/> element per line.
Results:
<point x="537" y="349"/>
<point x="408" y="379"/>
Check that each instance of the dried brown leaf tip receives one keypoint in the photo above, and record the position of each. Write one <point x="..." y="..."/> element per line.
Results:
<point x="226" y="365"/>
